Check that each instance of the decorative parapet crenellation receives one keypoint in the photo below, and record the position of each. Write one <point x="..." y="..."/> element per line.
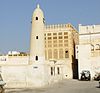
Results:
<point x="59" y="27"/>
<point x="55" y="26"/>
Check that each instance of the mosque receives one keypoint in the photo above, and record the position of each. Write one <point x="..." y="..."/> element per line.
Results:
<point x="51" y="57"/>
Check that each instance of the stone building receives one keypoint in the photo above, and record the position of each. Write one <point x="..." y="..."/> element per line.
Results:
<point x="88" y="50"/>
<point x="60" y="41"/>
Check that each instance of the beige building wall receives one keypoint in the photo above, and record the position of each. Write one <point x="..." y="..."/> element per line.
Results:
<point x="89" y="40"/>
<point x="15" y="59"/>
<point x="59" y="41"/>
<point x="90" y="34"/>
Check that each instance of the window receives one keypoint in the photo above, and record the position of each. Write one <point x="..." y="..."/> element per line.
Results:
<point x="60" y="41"/>
<point x="49" y="37"/>
<point x="55" y="41"/>
<point x="49" y="41"/>
<point x="65" y="37"/>
<point x="49" y="34"/>
<point x="36" y="18"/>
<point x="65" y="44"/>
<point x="65" y="41"/>
<point x="49" y="54"/>
<point x="65" y="33"/>
<point x="36" y="58"/>
<point x="45" y="54"/>
<point x="60" y="33"/>
<point x="44" y="34"/>
<point x="60" y="53"/>
<point x="60" y="45"/>
<point x="51" y="70"/>
<point x="54" y="33"/>
<point x="49" y="45"/>
<point x="58" y="70"/>
<point x="66" y="54"/>
<point x="3" y="59"/>
<point x="55" y="45"/>
<point x="60" y="37"/>
<point x="54" y="37"/>
<point x="55" y="53"/>
<point x="36" y="37"/>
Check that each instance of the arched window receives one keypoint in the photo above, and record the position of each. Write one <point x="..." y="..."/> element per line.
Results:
<point x="60" y="53"/>
<point x="45" y="54"/>
<point x="36" y="37"/>
<point x="36" y="18"/>
<point x="55" y="54"/>
<point x="36" y="58"/>
<point x="66" y="54"/>
<point x="49" y="54"/>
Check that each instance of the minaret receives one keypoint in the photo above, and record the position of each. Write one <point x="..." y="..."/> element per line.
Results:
<point x="37" y="53"/>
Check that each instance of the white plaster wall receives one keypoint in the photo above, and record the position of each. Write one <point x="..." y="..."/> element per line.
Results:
<point x="38" y="75"/>
<point x="35" y="75"/>
<point x="14" y="60"/>
<point x="14" y="76"/>
<point x="65" y="70"/>
<point x="55" y="77"/>
<point x="84" y="60"/>
<point x="89" y="29"/>
<point x="37" y="45"/>
<point x="25" y="76"/>
<point x="95" y="63"/>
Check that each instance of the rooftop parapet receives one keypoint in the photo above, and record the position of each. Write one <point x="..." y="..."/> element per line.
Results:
<point x="55" y="26"/>
<point x="88" y="29"/>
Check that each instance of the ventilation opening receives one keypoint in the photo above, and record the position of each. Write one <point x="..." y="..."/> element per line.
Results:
<point x="36" y="37"/>
<point x="66" y="54"/>
<point x="36" y="18"/>
<point x="58" y="70"/>
<point x="36" y="58"/>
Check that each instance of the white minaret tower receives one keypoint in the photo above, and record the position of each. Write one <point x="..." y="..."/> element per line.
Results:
<point x="37" y="75"/>
<point x="37" y="53"/>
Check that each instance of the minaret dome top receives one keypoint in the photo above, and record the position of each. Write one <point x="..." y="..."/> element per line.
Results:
<point x="38" y="12"/>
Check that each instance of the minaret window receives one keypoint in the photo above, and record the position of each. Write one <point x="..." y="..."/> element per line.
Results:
<point x="36" y="58"/>
<point x="43" y="20"/>
<point x="58" y="70"/>
<point x="36" y="37"/>
<point x="36" y="18"/>
<point x="51" y="70"/>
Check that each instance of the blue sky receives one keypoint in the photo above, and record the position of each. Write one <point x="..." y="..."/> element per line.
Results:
<point x="15" y="18"/>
